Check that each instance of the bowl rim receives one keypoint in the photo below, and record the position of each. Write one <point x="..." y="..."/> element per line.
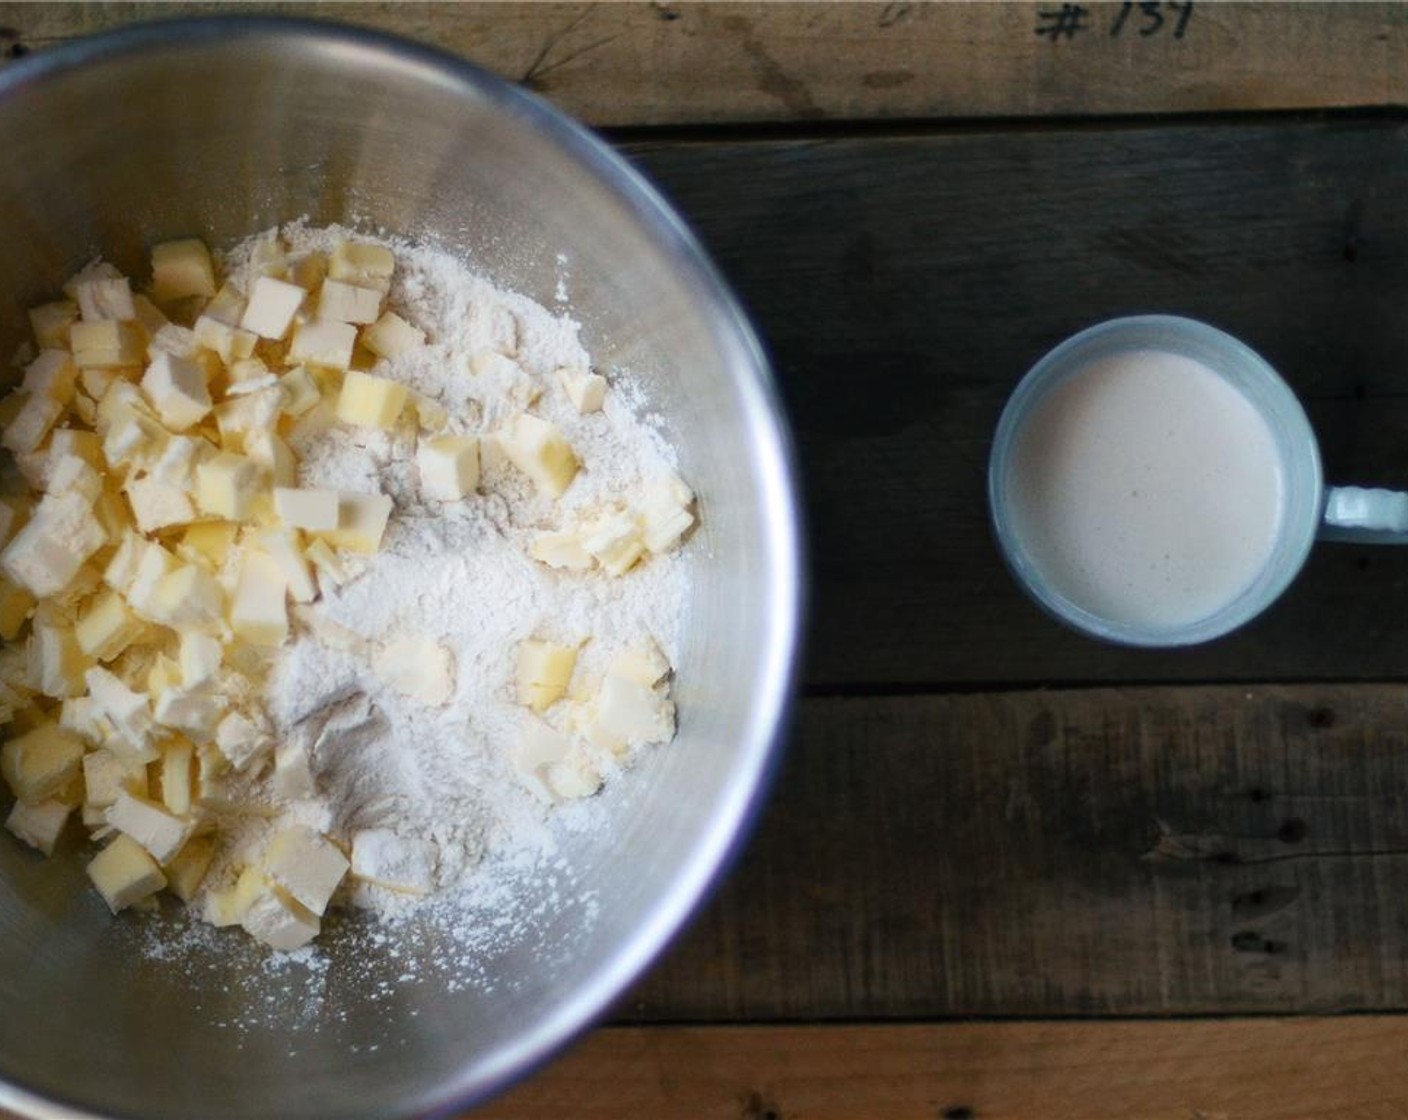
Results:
<point x="770" y="443"/>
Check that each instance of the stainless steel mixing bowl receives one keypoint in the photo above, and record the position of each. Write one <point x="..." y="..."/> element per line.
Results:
<point x="224" y="127"/>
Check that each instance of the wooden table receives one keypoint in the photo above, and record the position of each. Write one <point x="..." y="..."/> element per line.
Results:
<point x="1008" y="873"/>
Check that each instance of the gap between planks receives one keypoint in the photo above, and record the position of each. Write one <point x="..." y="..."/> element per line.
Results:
<point x="1267" y="1069"/>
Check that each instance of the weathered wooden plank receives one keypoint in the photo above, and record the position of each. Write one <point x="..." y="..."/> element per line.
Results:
<point x="906" y="283"/>
<point x="632" y="64"/>
<point x="1082" y="852"/>
<point x="1267" y="1069"/>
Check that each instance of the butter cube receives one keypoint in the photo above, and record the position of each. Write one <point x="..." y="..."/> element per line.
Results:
<point x="176" y="465"/>
<point x="241" y="740"/>
<point x="158" y="505"/>
<point x="544" y="671"/>
<point x="133" y="439"/>
<point x="227" y="486"/>
<point x="48" y="552"/>
<point x="227" y="307"/>
<point x="175" y="340"/>
<point x="279" y="921"/>
<point x="323" y="342"/>
<point x="615" y="541"/>
<point x="313" y="510"/>
<point x="248" y="372"/>
<point x="103" y="297"/>
<point x="229" y="342"/>
<point x="162" y="674"/>
<point x="52" y="374"/>
<point x="177" y="776"/>
<point x="124" y="874"/>
<point x="363" y="264"/>
<point x="197" y="714"/>
<point x="39" y="825"/>
<point x="585" y="389"/>
<point x="645" y="665"/>
<point x="126" y="710"/>
<point x="69" y="474"/>
<point x="105" y="775"/>
<point x="122" y="568"/>
<point x="419" y="668"/>
<point x="293" y="776"/>
<point x="539" y="450"/>
<point x="627" y="714"/>
<point x="332" y="571"/>
<point x="250" y="412"/>
<point x="57" y="662"/>
<point x="41" y="762"/>
<point x="391" y="336"/>
<point x="180" y="269"/>
<point x="306" y="865"/>
<point x="273" y="456"/>
<point x="405" y="864"/>
<point x="561" y="549"/>
<point x="107" y="627"/>
<point x="31" y="424"/>
<point x="51" y="322"/>
<point x="210" y="542"/>
<point x="187" y="871"/>
<point x="199" y="658"/>
<point x="106" y="344"/>
<point x="272" y="306"/>
<point x="160" y="832"/>
<point x="370" y="402"/>
<point x="348" y="303"/>
<point x="259" y="612"/>
<point x="281" y="546"/>
<point x="361" y="521"/>
<point x="153" y="565"/>
<point x="71" y="442"/>
<point x="449" y="467"/>
<point x="539" y="747"/>
<point x="300" y="391"/>
<point x="177" y="390"/>
<point x="186" y="596"/>
<point x="664" y="514"/>
<point x="228" y="906"/>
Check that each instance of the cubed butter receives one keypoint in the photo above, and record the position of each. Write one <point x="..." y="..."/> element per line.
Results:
<point x="199" y="658"/>
<point x="227" y="486"/>
<point x="159" y="831"/>
<point x="180" y="269"/>
<point x="158" y="505"/>
<point x="41" y="762"/>
<point x="241" y="740"/>
<point x="301" y="391"/>
<point x="280" y="921"/>
<point x="323" y="342"/>
<point x="282" y="546"/>
<point x="187" y="871"/>
<point x="125" y="874"/>
<point x="305" y="864"/>
<point x="272" y="306"/>
<point x="448" y="466"/>
<point x="107" y="344"/>
<point x="197" y="714"/>
<point x="177" y="390"/>
<point x="391" y="336"/>
<point x="361" y="521"/>
<point x="54" y="544"/>
<point x="51" y="322"/>
<point x="105" y="297"/>
<point x="177" y="775"/>
<point x="52" y="374"/>
<point x="308" y="509"/>
<point x="363" y="264"/>
<point x="107" y="627"/>
<point x="543" y="673"/>
<point x="347" y="303"/>
<point x="37" y="415"/>
<point x="259" y="611"/>
<point x="39" y="825"/>
<point x="561" y="549"/>
<point x="585" y="389"/>
<point x="615" y="542"/>
<point x="538" y="449"/>
<point x="370" y="402"/>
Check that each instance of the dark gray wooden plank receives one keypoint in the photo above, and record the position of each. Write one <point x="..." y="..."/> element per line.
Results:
<point x="906" y="283"/>
<point x="1172" y="850"/>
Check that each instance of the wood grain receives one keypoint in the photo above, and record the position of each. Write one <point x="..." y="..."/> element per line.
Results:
<point x="671" y="64"/>
<point x="1124" y="851"/>
<point x="1270" y="1069"/>
<point x="905" y="284"/>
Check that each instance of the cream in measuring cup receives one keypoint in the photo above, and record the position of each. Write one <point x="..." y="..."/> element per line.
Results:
<point x="1154" y="482"/>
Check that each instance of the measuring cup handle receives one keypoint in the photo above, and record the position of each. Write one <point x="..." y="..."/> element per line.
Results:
<point x="1360" y="516"/>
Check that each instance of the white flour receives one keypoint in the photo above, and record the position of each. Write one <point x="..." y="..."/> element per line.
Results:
<point x="457" y="573"/>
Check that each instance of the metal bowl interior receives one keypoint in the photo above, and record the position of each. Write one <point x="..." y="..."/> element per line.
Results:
<point x="221" y="128"/>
